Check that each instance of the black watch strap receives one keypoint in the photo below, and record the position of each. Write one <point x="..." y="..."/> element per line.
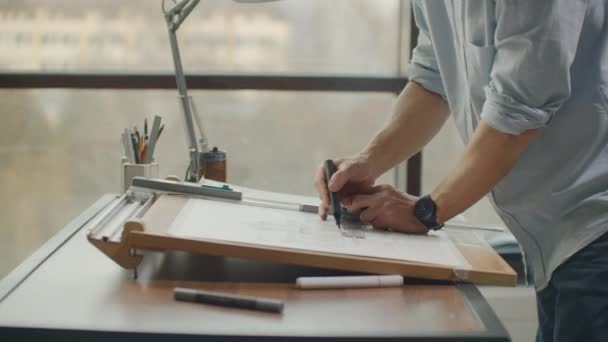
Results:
<point x="425" y="210"/>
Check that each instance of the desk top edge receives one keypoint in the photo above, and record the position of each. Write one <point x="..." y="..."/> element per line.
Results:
<point x="20" y="273"/>
<point x="495" y="331"/>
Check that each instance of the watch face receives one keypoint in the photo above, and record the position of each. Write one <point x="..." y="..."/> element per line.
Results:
<point x="424" y="209"/>
<point x="428" y="208"/>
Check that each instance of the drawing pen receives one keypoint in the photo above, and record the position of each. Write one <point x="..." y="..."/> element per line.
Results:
<point x="229" y="300"/>
<point x="135" y="148"/>
<point x="137" y="136"/>
<point x="146" y="126"/>
<point x="330" y="169"/>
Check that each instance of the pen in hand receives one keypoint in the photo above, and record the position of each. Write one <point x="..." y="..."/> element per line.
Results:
<point x="334" y="197"/>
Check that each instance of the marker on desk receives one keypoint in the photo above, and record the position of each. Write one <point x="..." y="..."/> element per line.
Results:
<point x="334" y="197"/>
<point x="230" y="300"/>
<point x="349" y="282"/>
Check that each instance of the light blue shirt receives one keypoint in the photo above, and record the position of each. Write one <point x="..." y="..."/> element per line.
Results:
<point x="519" y="65"/>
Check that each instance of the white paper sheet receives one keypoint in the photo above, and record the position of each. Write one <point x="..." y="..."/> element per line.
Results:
<point x="233" y="222"/>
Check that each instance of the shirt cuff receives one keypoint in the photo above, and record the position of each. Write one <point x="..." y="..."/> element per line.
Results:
<point x="429" y="79"/>
<point x="507" y="115"/>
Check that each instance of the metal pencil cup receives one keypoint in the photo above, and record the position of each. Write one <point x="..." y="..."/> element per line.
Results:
<point x="134" y="170"/>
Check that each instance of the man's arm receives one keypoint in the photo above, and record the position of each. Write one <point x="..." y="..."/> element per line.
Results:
<point x="419" y="114"/>
<point x="528" y="86"/>
<point x="420" y="110"/>
<point x="487" y="159"/>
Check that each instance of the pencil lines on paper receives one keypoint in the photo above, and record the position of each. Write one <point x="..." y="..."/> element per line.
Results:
<point x="264" y="226"/>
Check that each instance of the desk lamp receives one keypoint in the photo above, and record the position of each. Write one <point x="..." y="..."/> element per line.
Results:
<point x="198" y="147"/>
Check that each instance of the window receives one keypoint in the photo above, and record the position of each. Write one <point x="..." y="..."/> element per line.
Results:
<point x="60" y="149"/>
<point x="307" y="37"/>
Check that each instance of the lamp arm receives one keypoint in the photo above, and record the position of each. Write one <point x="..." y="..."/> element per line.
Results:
<point x="174" y="17"/>
<point x="184" y="13"/>
<point x="176" y="9"/>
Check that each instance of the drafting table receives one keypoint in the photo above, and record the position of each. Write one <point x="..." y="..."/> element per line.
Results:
<point x="157" y="214"/>
<point x="69" y="291"/>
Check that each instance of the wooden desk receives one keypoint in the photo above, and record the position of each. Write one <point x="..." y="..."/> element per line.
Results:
<point x="68" y="291"/>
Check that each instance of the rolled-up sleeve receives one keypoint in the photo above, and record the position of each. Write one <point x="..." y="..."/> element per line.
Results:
<point x="423" y="67"/>
<point x="536" y="43"/>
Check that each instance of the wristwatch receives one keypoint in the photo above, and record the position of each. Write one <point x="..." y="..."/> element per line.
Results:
<point x="425" y="211"/>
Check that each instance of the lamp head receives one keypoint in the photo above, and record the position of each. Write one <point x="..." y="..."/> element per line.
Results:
<point x="254" y="1"/>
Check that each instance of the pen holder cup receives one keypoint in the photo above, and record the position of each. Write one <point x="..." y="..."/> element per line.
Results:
<point x="137" y="170"/>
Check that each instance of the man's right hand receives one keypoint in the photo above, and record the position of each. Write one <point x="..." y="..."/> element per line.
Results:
<point x="353" y="176"/>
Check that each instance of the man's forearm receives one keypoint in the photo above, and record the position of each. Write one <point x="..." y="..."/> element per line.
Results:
<point x="418" y="116"/>
<point x="487" y="159"/>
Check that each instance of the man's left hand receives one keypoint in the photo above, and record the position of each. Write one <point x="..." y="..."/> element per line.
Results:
<point x="386" y="208"/>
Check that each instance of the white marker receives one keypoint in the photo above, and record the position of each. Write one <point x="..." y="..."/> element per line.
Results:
<point x="349" y="282"/>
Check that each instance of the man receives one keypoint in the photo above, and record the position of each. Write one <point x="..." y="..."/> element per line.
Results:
<point x="527" y="84"/>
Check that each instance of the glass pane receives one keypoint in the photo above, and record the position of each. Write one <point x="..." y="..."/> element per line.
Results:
<point x="60" y="149"/>
<point x="315" y="36"/>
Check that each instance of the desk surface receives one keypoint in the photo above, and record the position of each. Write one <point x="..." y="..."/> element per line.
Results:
<point x="68" y="290"/>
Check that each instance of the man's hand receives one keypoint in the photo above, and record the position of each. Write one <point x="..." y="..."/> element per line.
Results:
<point x="418" y="115"/>
<point x="353" y="176"/>
<point x="386" y="208"/>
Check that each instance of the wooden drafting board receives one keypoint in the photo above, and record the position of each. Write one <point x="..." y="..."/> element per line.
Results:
<point x="144" y="225"/>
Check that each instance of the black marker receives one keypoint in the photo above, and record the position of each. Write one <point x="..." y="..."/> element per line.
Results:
<point x="334" y="197"/>
<point x="224" y="299"/>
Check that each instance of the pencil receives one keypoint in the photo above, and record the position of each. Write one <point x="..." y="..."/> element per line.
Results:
<point x="140" y="145"/>
<point x="143" y="152"/>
